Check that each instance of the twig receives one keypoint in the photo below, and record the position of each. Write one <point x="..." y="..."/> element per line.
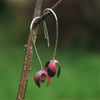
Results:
<point x="27" y="59"/>
<point x="48" y="12"/>
<point x="29" y="51"/>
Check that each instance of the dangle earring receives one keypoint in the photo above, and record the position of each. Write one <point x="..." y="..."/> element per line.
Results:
<point x="50" y="66"/>
<point x="41" y="75"/>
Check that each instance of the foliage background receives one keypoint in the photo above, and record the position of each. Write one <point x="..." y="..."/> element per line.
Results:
<point x="78" y="49"/>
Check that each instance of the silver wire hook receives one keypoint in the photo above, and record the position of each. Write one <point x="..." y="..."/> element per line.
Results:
<point x="32" y="23"/>
<point x="31" y="31"/>
<point x="56" y="42"/>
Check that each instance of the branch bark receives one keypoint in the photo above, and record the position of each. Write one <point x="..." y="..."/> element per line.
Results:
<point x="29" y="51"/>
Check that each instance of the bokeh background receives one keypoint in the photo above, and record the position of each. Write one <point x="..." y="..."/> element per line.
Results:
<point x="78" y="49"/>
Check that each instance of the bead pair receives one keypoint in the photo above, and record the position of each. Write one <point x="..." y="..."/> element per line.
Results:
<point x="50" y="67"/>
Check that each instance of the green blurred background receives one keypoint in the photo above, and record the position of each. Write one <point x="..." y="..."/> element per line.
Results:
<point x="78" y="50"/>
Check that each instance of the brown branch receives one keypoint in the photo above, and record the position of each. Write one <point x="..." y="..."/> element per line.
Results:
<point x="27" y="59"/>
<point x="29" y="51"/>
<point x="48" y="12"/>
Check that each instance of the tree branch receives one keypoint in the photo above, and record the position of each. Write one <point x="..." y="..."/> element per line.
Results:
<point x="29" y="51"/>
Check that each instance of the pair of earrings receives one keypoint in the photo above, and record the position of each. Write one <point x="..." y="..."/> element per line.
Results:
<point x="50" y="67"/>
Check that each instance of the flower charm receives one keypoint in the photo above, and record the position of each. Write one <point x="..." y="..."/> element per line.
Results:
<point x="50" y="66"/>
<point x="40" y="77"/>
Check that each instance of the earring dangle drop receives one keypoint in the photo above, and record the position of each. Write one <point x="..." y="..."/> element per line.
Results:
<point x="41" y="75"/>
<point x="50" y="66"/>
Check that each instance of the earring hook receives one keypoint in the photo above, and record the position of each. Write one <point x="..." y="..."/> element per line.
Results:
<point x="46" y="34"/>
<point x="56" y="42"/>
<point x="33" y="40"/>
<point x="33" y="22"/>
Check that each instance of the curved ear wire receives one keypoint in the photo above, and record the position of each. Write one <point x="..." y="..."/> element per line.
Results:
<point x="46" y="34"/>
<point x="56" y="42"/>
<point x="45" y="29"/>
<point x="33" y="39"/>
<point x="32" y="23"/>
